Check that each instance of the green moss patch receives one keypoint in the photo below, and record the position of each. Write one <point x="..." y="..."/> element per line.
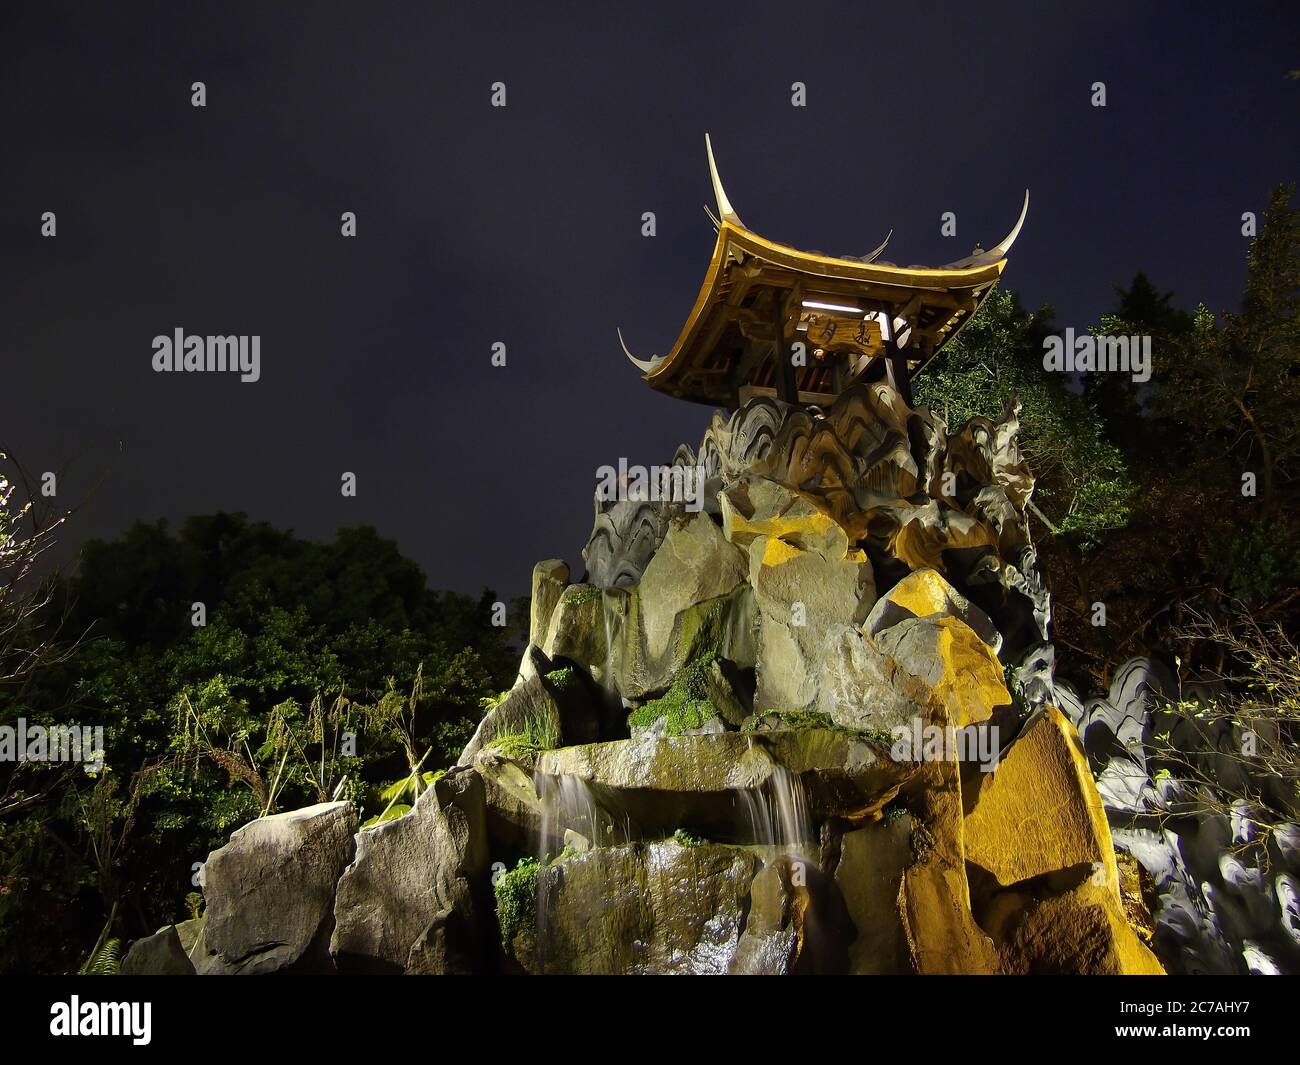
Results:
<point x="685" y="706"/>
<point x="516" y="894"/>
<point x="582" y="595"/>
<point x="795" y="719"/>
<point x="563" y="680"/>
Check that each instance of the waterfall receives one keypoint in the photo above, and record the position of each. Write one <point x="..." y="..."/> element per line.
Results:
<point x="569" y="808"/>
<point x="810" y="933"/>
<point x="569" y="805"/>
<point x="607" y="676"/>
<point x="778" y="816"/>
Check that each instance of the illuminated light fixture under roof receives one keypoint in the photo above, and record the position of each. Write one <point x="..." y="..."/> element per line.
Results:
<point x="819" y="306"/>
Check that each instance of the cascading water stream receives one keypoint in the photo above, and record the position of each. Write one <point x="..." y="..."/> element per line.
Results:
<point x="778" y="816"/>
<point x="607" y="676"/>
<point x="781" y="825"/>
<point x="569" y="809"/>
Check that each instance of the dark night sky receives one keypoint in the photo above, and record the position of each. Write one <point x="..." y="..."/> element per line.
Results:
<point x="523" y="224"/>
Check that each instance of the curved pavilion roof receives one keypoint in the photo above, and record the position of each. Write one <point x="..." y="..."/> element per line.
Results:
<point x="852" y="315"/>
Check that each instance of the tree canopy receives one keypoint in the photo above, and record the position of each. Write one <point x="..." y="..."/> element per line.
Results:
<point x="317" y="669"/>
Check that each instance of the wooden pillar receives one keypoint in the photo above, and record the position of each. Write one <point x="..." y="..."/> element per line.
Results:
<point x="896" y="370"/>
<point x="787" y="383"/>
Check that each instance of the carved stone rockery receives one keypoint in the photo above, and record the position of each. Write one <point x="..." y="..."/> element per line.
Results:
<point x="805" y="727"/>
<point x="1226" y="888"/>
<point x="883" y="485"/>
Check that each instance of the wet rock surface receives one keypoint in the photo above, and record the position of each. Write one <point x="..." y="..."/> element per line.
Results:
<point x="637" y="909"/>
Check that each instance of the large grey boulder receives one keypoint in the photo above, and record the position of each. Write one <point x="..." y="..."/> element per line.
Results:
<point x="870" y="873"/>
<point x="510" y="798"/>
<point x="861" y="687"/>
<point x="270" y="890"/>
<point x="408" y="876"/>
<point x="580" y="627"/>
<point x="160" y="954"/>
<point x="806" y="581"/>
<point x="693" y="565"/>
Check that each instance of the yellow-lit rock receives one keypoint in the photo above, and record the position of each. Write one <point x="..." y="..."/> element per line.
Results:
<point x="960" y="668"/>
<point x="693" y="565"/>
<point x="756" y="507"/>
<point x="1039" y="812"/>
<point x="924" y="594"/>
<point x="942" y="934"/>
<point x="1082" y="931"/>
<point x="776" y="552"/>
<point x="934" y="529"/>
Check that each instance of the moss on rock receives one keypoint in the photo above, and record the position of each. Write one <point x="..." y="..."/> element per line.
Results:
<point x="516" y="895"/>
<point x="581" y="594"/>
<point x="685" y="706"/>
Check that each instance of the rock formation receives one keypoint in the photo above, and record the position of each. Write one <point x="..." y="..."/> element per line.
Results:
<point x="805" y="728"/>
<point x="1226" y="891"/>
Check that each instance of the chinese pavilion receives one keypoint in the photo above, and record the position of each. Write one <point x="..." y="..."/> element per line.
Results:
<point x="803" y="326"/>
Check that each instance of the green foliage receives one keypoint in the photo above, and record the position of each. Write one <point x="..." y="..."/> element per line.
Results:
<point x="688" y="839"/>
<point x="537" y="733"/>
<point x="105" y="960"/>
<point x="1257" y="561"/>
<point x="1083" y="486"/>
<point x="1222" y="402"/>
<point x="582" y="595"/>
<point x="563" y="680"/>
<point x="411" y="785"/>
<point x="105" y="956"/>
<point x="194" y="905"/>
<point x="389" y="813"/>
<point x="685" y="705"/>
<point x="490" y="702"/>
<point x="516" y="896"/>
<point x="1124" y="406"/>
<point x="206" y="727"/>
<point x="1236" y="381"/>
